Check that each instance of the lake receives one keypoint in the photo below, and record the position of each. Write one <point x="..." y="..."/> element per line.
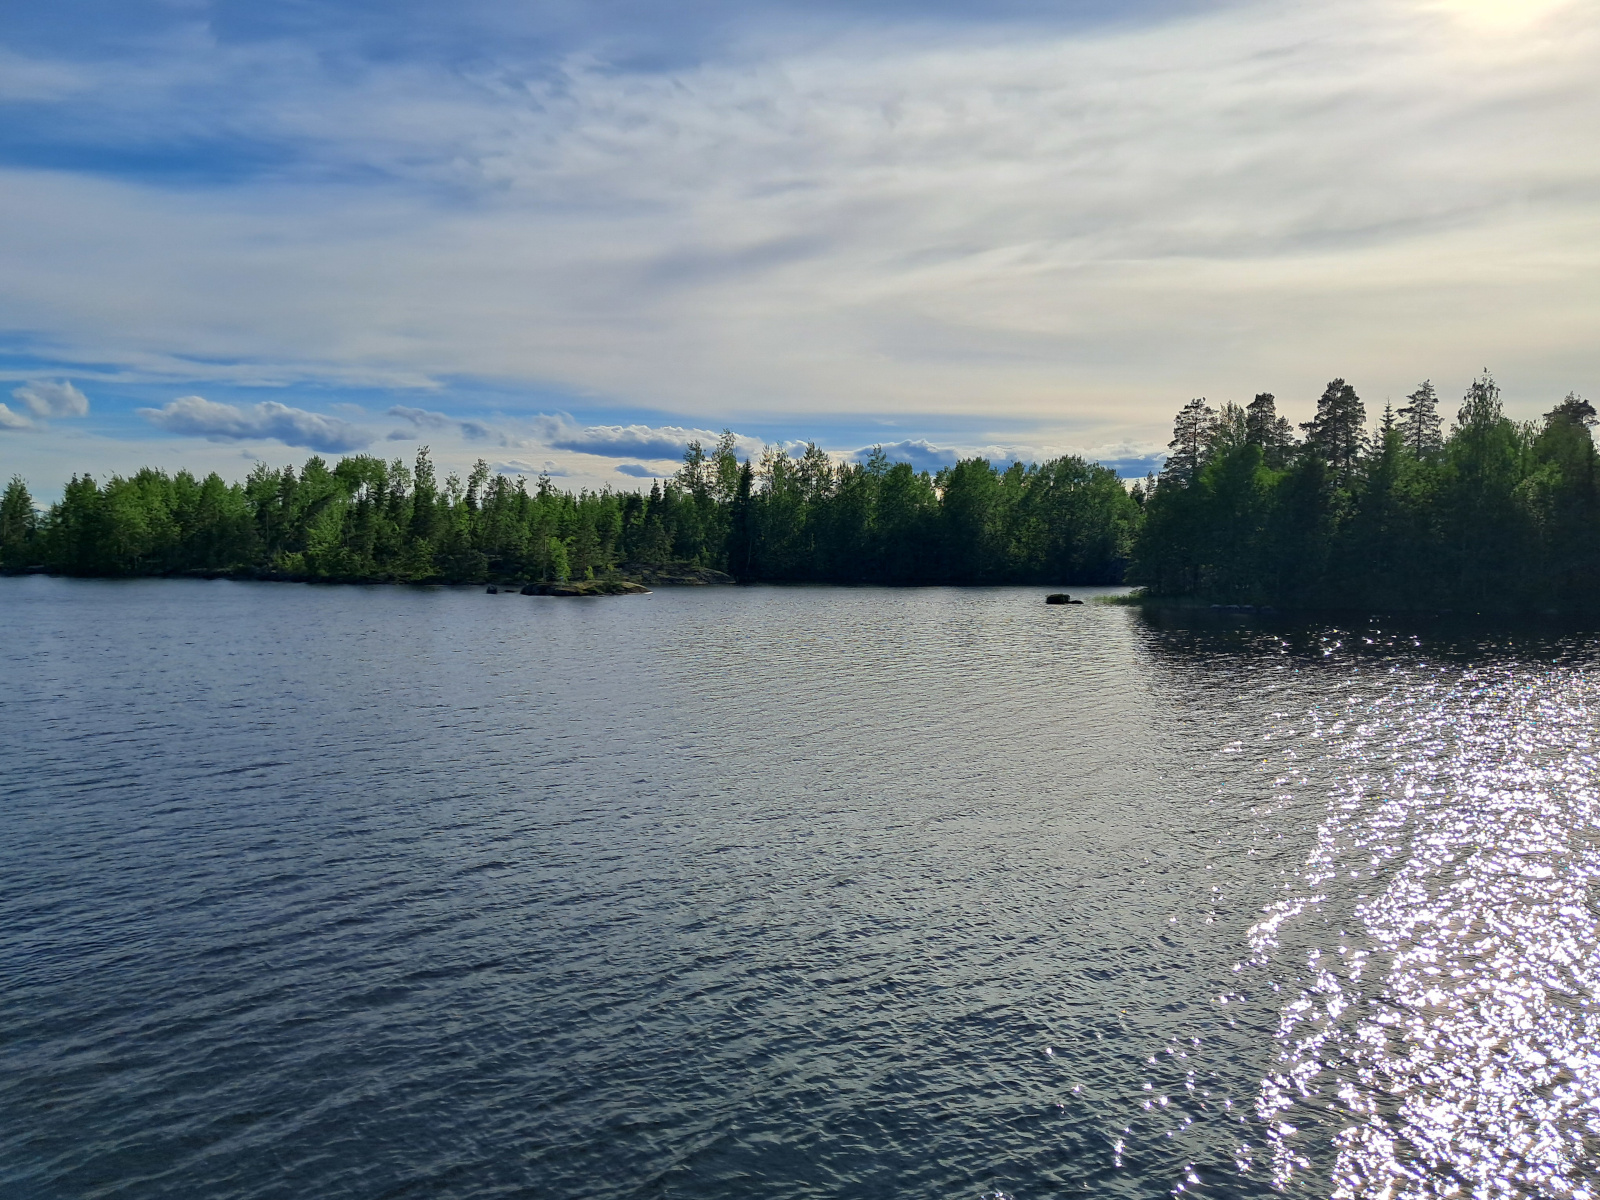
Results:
<point x="787" y="892"/>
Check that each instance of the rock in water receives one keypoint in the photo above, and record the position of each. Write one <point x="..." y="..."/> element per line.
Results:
<point x="587" y="587"/>
<point x="1058" y="598"/>
<point x="492" y="590"/>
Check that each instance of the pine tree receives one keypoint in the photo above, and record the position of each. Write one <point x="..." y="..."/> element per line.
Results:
<point x="1191" y="435"/>
<point x="1574" y="410"/>
<point x="1265" y="428"/>
<point x="1420" y="426"/>
<point x="1339" y="430"/>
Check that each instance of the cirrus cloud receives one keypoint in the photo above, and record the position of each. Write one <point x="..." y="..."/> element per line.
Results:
<point x="195" y="416"/>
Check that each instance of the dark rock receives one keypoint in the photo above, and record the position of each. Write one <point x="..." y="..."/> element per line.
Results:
<point x="1074" y="601"/>
<point x="492" y="590"/>
<point x="1058" y="598"/>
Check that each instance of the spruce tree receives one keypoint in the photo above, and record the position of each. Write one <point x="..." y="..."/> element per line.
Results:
<point x="742" y="532"/>
<point x="17" y="522"/>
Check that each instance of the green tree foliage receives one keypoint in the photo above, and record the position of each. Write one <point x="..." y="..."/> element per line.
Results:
<point x="1494" y="515"/>
<point x="788" y="518"/>
<point x="1265" y="428"/>
<point x="1421" y="428"/>
<point x="18" y="522"/>
<point x="1338" y="432"/>
<point x="1192" y="439"/>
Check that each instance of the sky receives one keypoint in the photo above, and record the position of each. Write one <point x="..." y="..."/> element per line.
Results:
<point x="570" y="237"/>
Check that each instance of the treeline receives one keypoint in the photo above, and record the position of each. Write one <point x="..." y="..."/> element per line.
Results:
<point x="1489" y="513"/>
<point x="781" y="518"/>
<point x="1493" y="514"/>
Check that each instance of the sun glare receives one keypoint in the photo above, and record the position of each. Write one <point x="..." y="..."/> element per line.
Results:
<point x="1499" y="16"/>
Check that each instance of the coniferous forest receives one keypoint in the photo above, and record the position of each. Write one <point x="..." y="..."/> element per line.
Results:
<point x="1493" y="515"/>
<point x="1488" y="513"/>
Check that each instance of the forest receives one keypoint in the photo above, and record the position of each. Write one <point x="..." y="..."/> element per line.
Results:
<point x="802" y="518"/>
<point x="1494" y="514"/>
<point x="1490" y="513"/>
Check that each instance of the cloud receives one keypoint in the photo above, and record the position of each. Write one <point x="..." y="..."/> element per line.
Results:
<point x="640" y="471"/>
<point x="471" y="430"/>
<point x="195" y="416"/>
<point x="1128" y="459"/>
<point x="561" y="432"/>
<point x="33" y="80"/>
<point x="921" y="454"/>
<point x="1014" y="219"/>
<point x="40" y="401"/>
<point x="659" y="442"/>
<point x="45" y="399"/>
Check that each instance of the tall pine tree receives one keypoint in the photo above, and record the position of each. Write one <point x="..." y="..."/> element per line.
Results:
<point x="1338" y="433"/>
<point x="1265" y="428"/>
<point x="1420" y="426"/>
<point x="1191" y="438"/>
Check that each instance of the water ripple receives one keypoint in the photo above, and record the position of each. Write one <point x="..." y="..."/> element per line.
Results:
<point x="798" y="892"/>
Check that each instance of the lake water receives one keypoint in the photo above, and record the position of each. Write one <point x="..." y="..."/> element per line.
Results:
<point x="395" y="892"/>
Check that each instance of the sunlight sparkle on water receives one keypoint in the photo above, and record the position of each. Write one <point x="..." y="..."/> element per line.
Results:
<point x="1447" y="1020"/>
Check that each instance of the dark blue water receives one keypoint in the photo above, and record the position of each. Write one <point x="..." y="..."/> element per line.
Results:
<point x="383" y="892"/>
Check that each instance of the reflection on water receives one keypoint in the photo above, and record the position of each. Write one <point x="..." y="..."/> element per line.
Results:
<point x="1442" y="1039"/>
<point x="360" y="892"/>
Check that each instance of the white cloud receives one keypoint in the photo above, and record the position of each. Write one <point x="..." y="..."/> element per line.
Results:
<point x="1087" y="228"/>
<point x="45" y="399"/>
<point x="561" y="432"/>
<point x="195" y="416"/>
<point x="1128" y="459"/>
<point x="13" y="420"/>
